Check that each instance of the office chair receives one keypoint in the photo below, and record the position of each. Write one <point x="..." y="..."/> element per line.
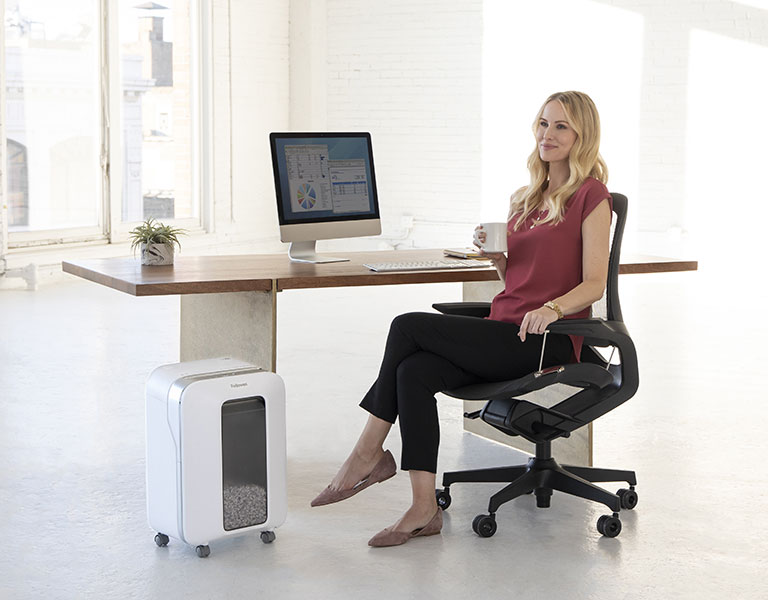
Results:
<point x="596" y="386"/>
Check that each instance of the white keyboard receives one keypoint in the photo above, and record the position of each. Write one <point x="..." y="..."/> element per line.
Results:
<point x="428" y="265"/>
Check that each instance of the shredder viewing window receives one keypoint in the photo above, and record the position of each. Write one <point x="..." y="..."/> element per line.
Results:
<point x="244" y="462"/>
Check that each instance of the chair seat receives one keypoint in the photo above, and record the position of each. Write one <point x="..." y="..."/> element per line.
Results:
<point x="582" y="375"/>
<point x="534" y="422"/>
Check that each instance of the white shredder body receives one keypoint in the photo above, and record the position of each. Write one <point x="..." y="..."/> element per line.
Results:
<point x="215" y="450"/>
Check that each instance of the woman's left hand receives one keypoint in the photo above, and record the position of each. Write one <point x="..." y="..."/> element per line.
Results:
<point x="536" y="321"/>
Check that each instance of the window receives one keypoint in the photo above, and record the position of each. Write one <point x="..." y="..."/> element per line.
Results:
<point x="59" y="94"/>
<point x="52" y="105"/>
<point x="157" y="108"/>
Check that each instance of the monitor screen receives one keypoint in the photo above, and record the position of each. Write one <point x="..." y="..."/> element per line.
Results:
<point x="324" y="177"/>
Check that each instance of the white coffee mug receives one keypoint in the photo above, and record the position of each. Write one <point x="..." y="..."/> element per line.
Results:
<point x="495" y="237"/>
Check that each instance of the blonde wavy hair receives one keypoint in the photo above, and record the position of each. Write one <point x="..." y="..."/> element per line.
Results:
<point x="584" y="161"/>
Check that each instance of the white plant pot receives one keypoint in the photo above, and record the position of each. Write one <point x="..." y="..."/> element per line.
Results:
<point x="157" y="254"/>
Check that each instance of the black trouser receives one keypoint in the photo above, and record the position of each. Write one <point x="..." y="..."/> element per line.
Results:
<point x="427" y="353"/>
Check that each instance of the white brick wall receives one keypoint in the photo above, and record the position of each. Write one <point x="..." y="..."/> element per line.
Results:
<point x="221" y="127"/>
<point x="409" y="72"/>
<point x="260" y="104"/>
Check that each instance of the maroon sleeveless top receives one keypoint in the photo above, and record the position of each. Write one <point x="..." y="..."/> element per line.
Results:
<point x="545" y="261"/>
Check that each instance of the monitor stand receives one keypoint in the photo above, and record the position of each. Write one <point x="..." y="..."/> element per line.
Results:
<point x="305" y="252"/>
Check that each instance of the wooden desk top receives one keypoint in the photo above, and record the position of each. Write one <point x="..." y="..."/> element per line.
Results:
<point x="263" y="272"/>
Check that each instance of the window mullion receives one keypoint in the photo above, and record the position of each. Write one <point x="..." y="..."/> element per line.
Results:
<point x="3" y="156"/>
<point x="112" y="171"/>
<point x="203" y="70"/>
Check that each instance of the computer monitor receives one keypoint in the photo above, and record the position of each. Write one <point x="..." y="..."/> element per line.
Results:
<point x="325" y="187"/>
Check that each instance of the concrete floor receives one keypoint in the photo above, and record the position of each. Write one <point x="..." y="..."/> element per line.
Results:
<point x="74" y="358"/>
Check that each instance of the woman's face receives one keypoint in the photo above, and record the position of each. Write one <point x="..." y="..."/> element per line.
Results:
<point x="554" y="134"/>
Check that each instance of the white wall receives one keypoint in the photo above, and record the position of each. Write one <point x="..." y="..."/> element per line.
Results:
<point x="407" y="72"/>
<point x="308" y="65"/>
<point x="219" y="217"/>
<point x="448" y="90"/>
<point x="532" y="49"/>
<point x="726" y="202"/>
<point x="670" y="80"/>
<point x="259" y="104"/>
<point x="410" y="72"/>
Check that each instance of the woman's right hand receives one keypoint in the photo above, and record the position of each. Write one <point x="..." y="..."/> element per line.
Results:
<point x="480" y="239"/>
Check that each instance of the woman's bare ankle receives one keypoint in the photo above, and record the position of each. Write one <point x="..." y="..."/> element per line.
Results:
<point x="367" y="455"/>
<point x="357" y="466"/>
<point x="416" y="517"/>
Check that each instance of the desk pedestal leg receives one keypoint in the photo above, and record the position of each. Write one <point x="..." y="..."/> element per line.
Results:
<point x="236" y="324"/>
<point x="575" y="450"/>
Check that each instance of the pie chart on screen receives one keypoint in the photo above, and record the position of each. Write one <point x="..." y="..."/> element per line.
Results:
<point x="306" y="196"/>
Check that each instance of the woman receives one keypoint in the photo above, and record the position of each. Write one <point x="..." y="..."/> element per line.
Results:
<point x="556" y="267"/>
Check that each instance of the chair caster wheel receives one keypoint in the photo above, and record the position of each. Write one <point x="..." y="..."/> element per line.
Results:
<point x="628" y="498"/>
<point x="484" y="525"/>
<point x="609" y="526"/>
<point x="161" y="540"/>
<point x="203" y="551"/>
<point x="267" y="537"/>
<point x="443" y="498"/>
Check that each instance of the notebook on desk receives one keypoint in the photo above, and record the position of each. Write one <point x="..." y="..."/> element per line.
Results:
<point x="463" y="252"/>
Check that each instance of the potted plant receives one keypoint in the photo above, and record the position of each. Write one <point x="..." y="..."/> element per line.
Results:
<point x="155" y="241"/>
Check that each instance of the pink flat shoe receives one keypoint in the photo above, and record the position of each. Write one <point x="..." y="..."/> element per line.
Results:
<point x="387" y="537"/>
<point x="384" y="469"/>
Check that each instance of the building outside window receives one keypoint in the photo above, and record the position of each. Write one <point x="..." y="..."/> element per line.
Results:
<point x="155" y="55"/>
<point x="18" y="185"/>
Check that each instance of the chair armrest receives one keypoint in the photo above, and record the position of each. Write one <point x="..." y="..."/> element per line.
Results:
<point x="613" y="332"/>
<point x="467" y="309"/>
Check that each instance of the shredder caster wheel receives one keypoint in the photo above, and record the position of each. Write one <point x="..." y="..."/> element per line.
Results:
<point x="443" y="498"/>
<point x="267" y="537"/>
<point x="203" y="551"/>
<point x="161" y="540"/>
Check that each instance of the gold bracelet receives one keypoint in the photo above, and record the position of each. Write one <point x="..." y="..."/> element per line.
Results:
<point x="554" y="306"/>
